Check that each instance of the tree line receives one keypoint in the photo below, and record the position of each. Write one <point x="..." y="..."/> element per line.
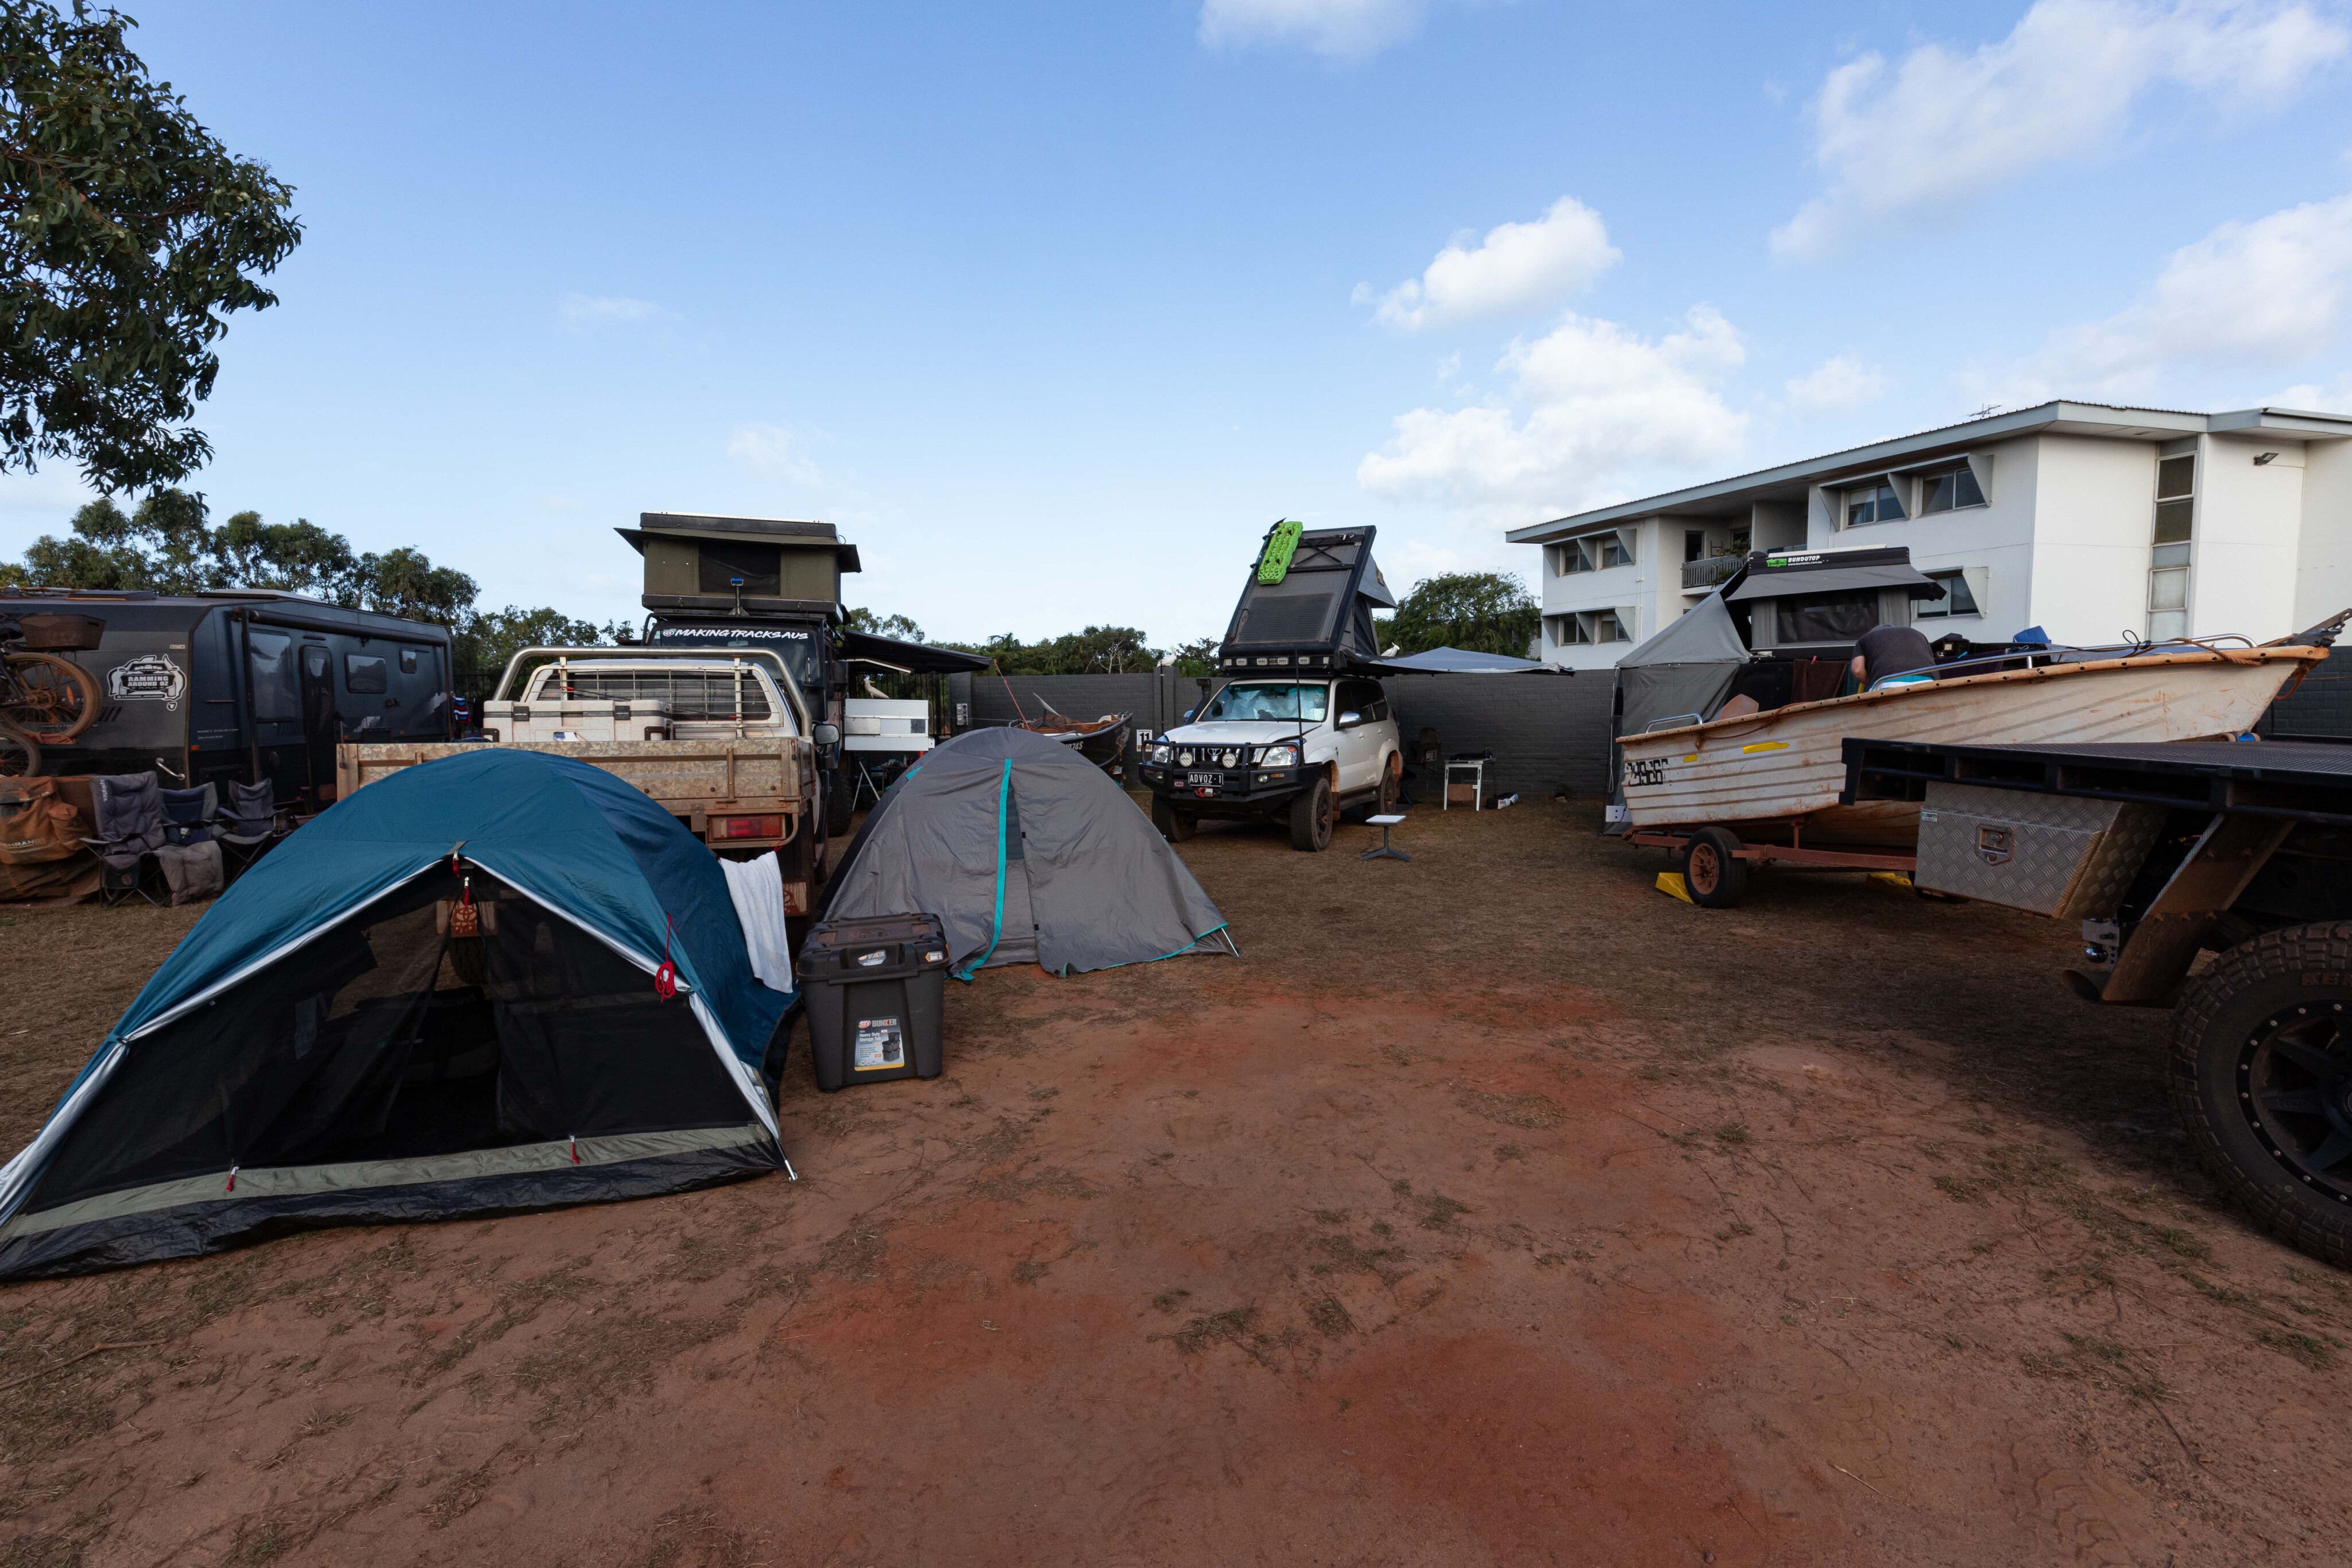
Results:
<point x="1482" y="611"/>
<point x="169" y="545"/>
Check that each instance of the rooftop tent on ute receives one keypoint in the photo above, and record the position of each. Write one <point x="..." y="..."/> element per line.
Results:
<point x="1030" y="854"/>
<point x="440" y="997"/>
<point x="1307" y="604"/>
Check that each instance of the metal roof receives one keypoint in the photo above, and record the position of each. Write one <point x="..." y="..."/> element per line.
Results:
<point x="1721" y="496"/>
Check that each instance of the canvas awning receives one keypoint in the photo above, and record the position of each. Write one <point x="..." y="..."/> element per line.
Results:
<point x="913" y="658"/>
<point x="1810" y="580"/>
<point x="1462" y="661"/>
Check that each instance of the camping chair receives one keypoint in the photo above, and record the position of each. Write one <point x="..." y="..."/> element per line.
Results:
<point x="251" y="823"/>
<point x="128" y="809"/>
<point x="190" y="860"/>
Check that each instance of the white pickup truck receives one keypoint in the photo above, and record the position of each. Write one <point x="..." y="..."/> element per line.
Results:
<point x="1297" y="749"/>
<point x="720" y="739"/>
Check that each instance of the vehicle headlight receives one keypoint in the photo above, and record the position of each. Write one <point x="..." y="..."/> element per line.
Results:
<point x="1162" y="752"/>
<point x="1229" y="759"/>
<point x="1280" y="757"/>
<point x="1183" y="759"/>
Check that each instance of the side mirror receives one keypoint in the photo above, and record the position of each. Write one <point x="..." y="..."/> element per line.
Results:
<point x="1350" y="719"/>
<point x="827" y="736"/>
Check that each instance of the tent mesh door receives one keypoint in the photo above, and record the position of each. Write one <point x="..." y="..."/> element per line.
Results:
<point x="382" y="1038"/>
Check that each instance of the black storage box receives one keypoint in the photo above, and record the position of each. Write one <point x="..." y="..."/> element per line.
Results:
<point x="874" y="988"/>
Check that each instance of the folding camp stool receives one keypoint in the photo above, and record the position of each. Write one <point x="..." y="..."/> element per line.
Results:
<point x="1387" y="850"/>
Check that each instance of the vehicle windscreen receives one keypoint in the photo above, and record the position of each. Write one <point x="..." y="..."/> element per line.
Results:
<point x="1300" y="702"/>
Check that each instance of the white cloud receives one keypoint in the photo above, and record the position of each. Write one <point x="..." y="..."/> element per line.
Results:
<point x="2336" y="399"/>
<point x="1337" y="29"/>
<point x="579" y="312"/>
<point x="1841" y="382"/>
<point x="2269" y="293"/>
<point x="773" y="450"/>
<point x="1516" y="266"/>
<point x="1943" y="127"/>
<point x="1601" y="404"/>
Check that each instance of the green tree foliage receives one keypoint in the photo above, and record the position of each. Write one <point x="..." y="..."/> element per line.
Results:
<point x="897" y="627"/>
<point x="1485" y="611"/>
<point x="487" y="639"/>
<point x="131" y="233"/>
<point x="1197" y="657"/>
<point x="1097" y="650"/>
<point x="166" y="547"/>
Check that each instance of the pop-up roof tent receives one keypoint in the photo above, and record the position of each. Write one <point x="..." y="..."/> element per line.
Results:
<point x="1030" y="854"/>
<point x="1684" y="672"/>
<point x="1308" y="603"/>
<point x="328" y="1046"/>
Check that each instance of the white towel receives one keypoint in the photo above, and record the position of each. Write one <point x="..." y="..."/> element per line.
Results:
<point x="757" y="886"/>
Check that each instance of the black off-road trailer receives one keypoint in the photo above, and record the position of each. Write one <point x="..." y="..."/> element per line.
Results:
<point x="2167" y="852"/>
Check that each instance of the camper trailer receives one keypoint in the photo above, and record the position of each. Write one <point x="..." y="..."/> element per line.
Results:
<point x="245" y="685"/>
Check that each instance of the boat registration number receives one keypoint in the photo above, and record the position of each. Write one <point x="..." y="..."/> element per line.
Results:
<point x="1648" y="771"/>
<point x="1199" y="778"/>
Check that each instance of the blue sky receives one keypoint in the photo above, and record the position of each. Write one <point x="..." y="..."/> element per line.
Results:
<point x="1053" y="308"/>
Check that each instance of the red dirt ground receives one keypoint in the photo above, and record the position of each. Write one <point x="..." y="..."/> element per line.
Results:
<point x="1491" y="1210"/>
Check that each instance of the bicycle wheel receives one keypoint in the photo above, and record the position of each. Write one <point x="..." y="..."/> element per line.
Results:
<point x="20" y="754"/>
<point x="50" y="699"/>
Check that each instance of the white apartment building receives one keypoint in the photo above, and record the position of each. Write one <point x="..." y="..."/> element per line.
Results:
<point x="2088" y="521"/>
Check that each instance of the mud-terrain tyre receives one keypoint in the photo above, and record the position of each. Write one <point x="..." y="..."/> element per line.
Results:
<point x="1713" y="873"/>
<point x="1177" y="827"/>
<point x="1392" y="787"/>
<point x="839" y="803"/>
<point x="2262" y="1078"/>
<point x="1311" y="816"/>
<point x="20" y="754"/>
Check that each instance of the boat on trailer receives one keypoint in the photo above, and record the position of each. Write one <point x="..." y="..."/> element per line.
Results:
<point x="1732" y="781"/>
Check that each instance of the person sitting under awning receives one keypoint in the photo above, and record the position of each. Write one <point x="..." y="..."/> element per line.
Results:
<point x="1884" y="651"/>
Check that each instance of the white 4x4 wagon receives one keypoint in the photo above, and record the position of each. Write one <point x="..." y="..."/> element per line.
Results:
<point x="1296" y="749"/>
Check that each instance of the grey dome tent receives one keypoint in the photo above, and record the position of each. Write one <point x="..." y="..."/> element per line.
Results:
<point x="1030" y="854"/>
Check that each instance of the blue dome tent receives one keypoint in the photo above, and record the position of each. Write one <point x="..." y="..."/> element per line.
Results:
<point x="446" y="996"/>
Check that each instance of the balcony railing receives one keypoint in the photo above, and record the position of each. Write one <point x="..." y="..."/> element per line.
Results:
<point x="1698" y="576"/>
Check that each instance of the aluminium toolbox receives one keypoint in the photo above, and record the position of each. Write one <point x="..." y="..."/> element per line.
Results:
<point x="875" y="988"/>
<point x="2058" y="855"/>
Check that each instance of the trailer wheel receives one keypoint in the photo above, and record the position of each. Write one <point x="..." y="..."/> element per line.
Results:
<point x="2261" y="1076"/>
<point x="1310" y="817"/>
<point x="1713" y="873"/>
<point x="1177" y="827"/>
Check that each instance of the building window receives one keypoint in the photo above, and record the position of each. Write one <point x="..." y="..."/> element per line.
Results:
<point x="2176" y="523"/>
<point x="1958" y="599"/>
<point x="1875" y="503"/>
<point x="1597" y="554"/>
<point x="1694" y="544"/>
<point x="1949" y="492"/>
<point x="1588" y="627"/>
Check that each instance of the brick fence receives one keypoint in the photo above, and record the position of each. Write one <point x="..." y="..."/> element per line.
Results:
<point x="1544" y="730"/>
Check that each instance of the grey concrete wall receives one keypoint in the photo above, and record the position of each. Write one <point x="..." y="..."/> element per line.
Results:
<point x="1544" y="730"/>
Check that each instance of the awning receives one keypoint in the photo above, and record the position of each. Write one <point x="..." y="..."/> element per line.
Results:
<point x="1837" y="580"/>
<point x="1462" y="662"/>
<point x="913" y="658"/>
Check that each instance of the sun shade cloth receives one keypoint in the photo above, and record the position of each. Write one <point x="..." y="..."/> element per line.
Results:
<point x="1026" y="851"/>
<point x="1810" y="580"/>
<point x="1461" y="661"/>
<point x="286" y="1029"/>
